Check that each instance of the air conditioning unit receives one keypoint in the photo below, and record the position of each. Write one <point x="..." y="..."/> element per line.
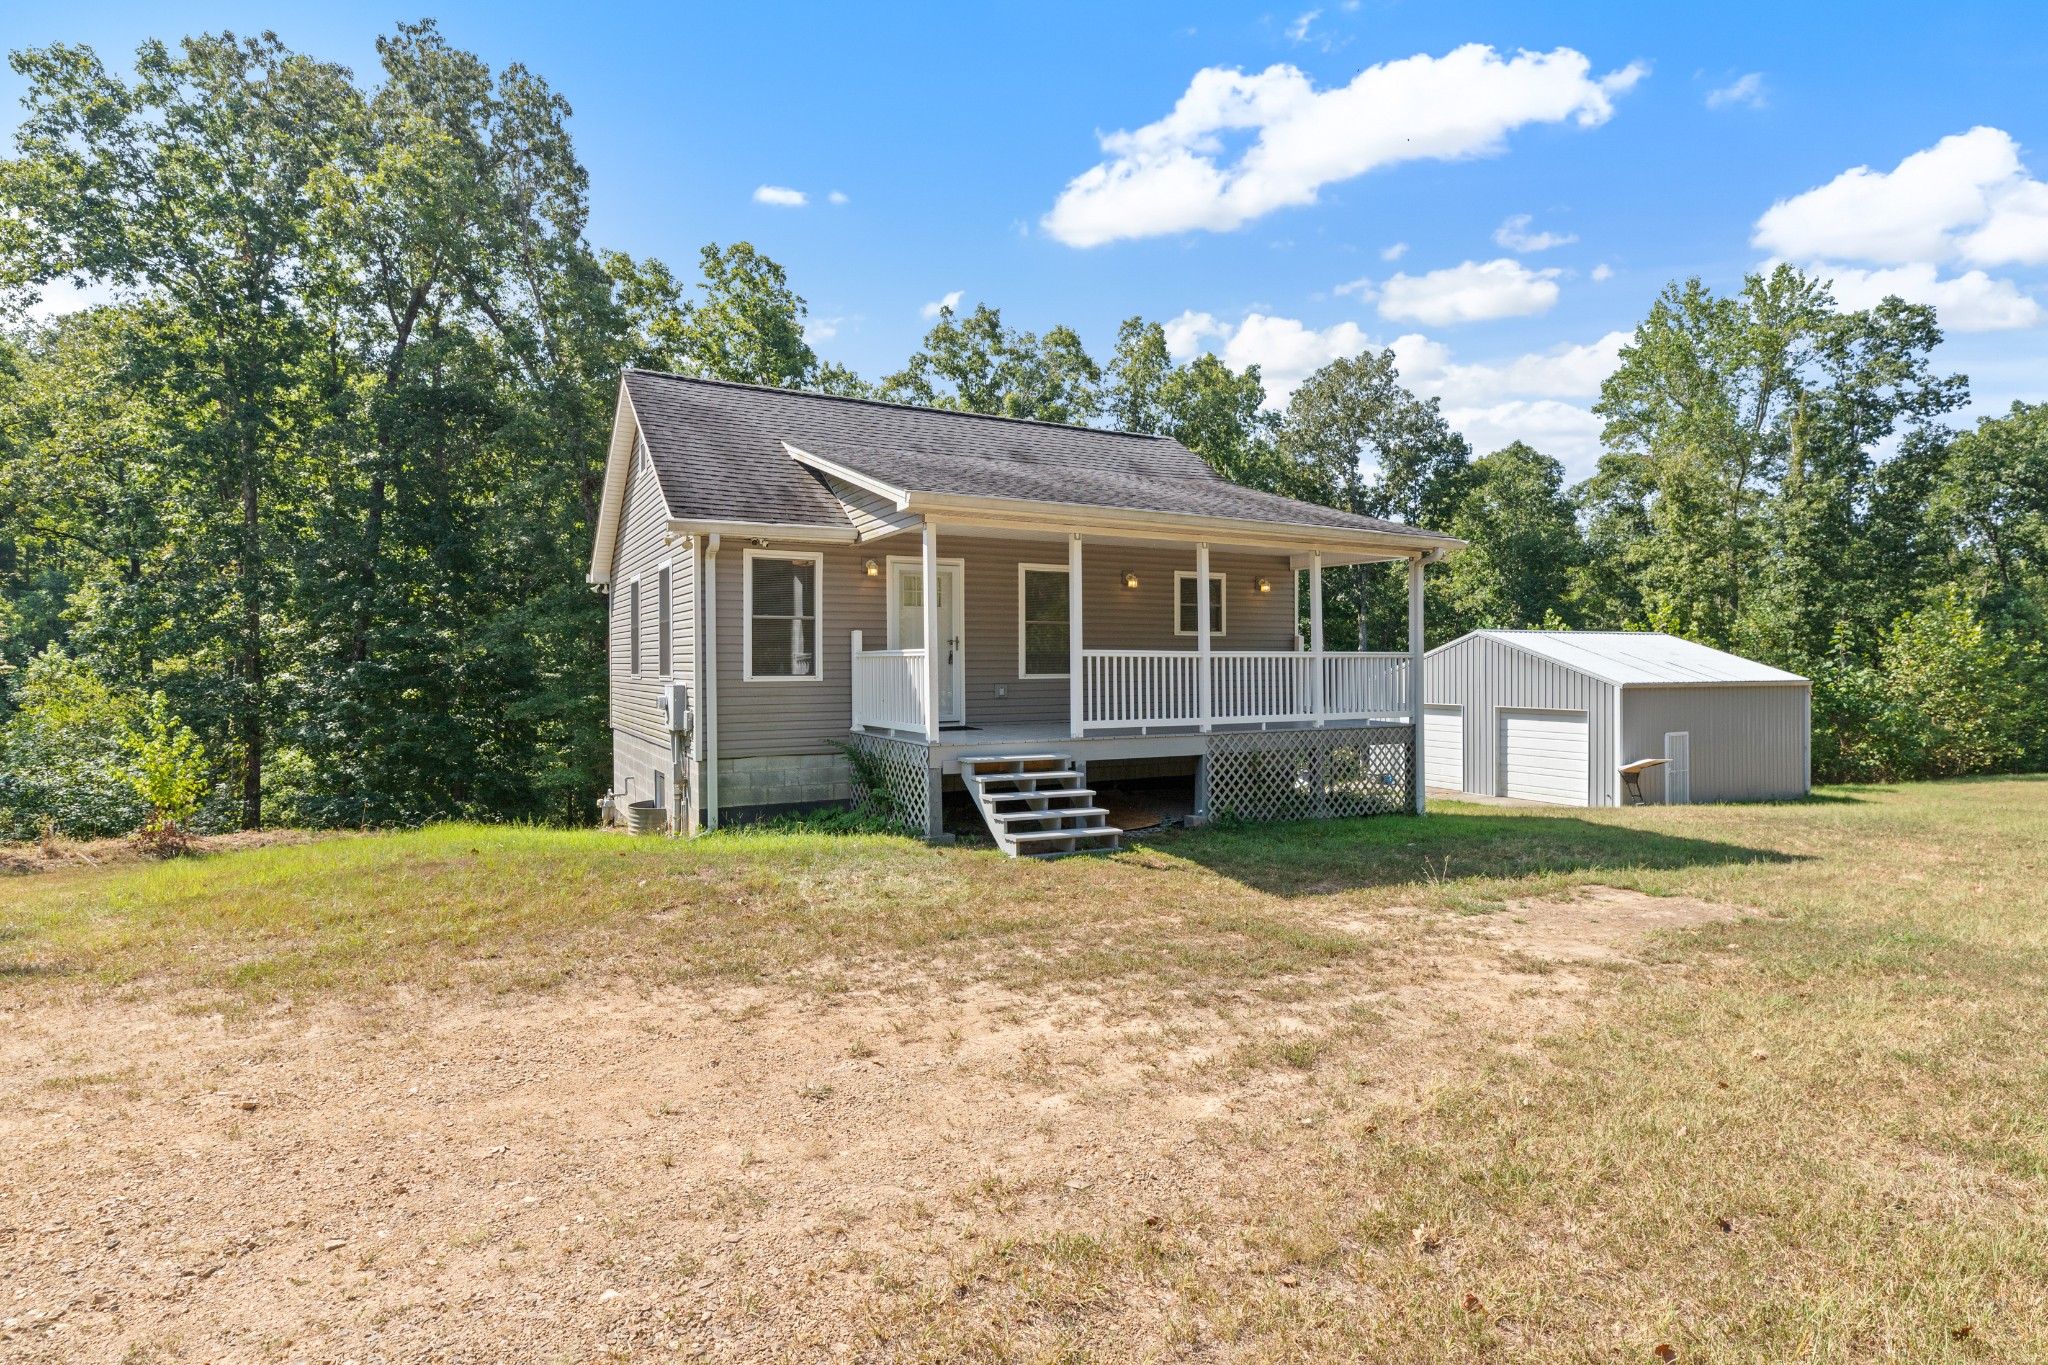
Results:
<point x="675" y="707"/>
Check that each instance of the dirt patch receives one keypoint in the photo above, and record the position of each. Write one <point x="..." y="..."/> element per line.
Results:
<point x="56" y="855"/>
<point x="1598" y="924"/>
<point x="740" y="1173"/>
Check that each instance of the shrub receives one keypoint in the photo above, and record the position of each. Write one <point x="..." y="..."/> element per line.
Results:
<point x="62" y="763"/>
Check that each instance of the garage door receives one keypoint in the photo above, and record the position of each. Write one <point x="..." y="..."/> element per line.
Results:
<point x="1443" y="737"/>
<point x="1543" y="756"/>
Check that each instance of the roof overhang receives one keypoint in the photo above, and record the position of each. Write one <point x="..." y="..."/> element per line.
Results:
<point x="1336" y="544"/>
<point x="611" y="500"/>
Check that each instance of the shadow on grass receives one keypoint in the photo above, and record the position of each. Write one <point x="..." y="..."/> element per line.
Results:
<point x="1326" y="856"/>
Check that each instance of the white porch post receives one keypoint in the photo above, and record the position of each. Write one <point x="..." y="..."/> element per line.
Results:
<point x="1204" y="684"/>
<point x="1315" y="631"/>
<point x="1076" y="683"/>
<point x="932" y="661"/>
<point x="1416" y="727"/>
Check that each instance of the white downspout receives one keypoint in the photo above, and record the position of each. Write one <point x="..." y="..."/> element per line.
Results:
<point x="1418" y="756"/>
<point x="709" y="685"/>
<point x="1315" y="632"/>
<point x="1204" y="685"/>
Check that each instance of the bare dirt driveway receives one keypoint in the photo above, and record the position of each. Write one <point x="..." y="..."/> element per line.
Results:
<point x="739" y="1172"/>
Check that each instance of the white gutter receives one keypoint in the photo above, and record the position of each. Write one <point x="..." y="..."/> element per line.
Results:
<point x="707" y="681"/>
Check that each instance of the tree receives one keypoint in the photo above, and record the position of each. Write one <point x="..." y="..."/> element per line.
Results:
<point x="1213" y="410"/>
<point x="1990" y="501"/>
<point x="1523" y="544"/>
<point x="977" y="364"/>
<point x="194" y="183"/>
<point x="1353" y="437"/>
<point x="1740" y="434"/>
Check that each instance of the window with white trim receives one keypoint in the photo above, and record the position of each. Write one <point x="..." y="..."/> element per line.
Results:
<point x="783" y="629"/>
<point x="633" y="624"/>
<point x="663" y="654"/>
<point x="1185" y="614"/>
<point x="1042" y="618"/>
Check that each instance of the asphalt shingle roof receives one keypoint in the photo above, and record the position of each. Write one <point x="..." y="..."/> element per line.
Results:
<point x="718" y="449"/>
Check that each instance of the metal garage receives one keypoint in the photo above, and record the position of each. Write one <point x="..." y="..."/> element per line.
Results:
<point x="1553" y="716"/>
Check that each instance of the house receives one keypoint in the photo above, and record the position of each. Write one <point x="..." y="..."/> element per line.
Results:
<point x="1557" y="715"/>
<point x="820" y="599"/>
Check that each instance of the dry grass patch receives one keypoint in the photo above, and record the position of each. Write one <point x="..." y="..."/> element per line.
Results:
<point x="1752" y="1084"/>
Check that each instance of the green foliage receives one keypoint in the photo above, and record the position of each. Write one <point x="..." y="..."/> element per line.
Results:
<point x="977" y="364"/>
<point x="1946" y="698"/>
<point x="63" y="754"/>
<point x="167" y="766"/>
<point x="1523" y="544"/>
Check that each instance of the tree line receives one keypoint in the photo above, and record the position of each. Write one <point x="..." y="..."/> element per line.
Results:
<point x="293" y="529"/>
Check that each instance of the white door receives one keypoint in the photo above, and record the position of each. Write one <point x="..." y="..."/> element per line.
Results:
<point x="906" y="629"/>
<point x="1543" y="756"/>
<point x="1443" y="739"/>
<point x="1678" y="768"/>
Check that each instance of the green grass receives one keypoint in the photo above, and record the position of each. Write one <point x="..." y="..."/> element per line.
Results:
<point x="1817" y="1134"/>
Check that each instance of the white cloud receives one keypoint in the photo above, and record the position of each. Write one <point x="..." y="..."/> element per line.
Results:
<point x="1521" y="399"/>
<point x="822" y="329"/>
<point x="1966" y="198"/>
<point x="1470" y="292"/>
<point x="1969" y="302"/>
<point x="1298" y="30"/>
<point x="1514" y="234"/>
<point x="1525" y="398"/>
<point x="1177" y="174"/>
<point x="61" y="296"/>
<point x="937" y="306"/>
<point x="1286" y="350"/>
<point x="1602" y="271"/>
<point x="1565" y="371"/>
<point x="781" y="197"/>
<point x="1394" y="252"/>
<point x="1746" y="90"/>
<point x="837" y="197"/>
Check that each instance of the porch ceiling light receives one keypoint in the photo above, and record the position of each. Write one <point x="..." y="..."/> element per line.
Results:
<point x="1265" y="585"/>
<point x="1130" y="579"/>
<point x="874" y="569"/>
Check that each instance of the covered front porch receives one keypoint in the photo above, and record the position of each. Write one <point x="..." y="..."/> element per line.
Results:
<point x="1293" y="731"/>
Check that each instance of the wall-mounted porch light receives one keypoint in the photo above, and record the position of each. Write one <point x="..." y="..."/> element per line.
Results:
<point x="874" y="569"/>
<point x="1130" y="579"/>
<point x="1265" y="585"/>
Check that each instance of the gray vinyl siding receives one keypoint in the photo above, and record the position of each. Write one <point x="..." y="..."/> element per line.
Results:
<point x="640" y="733"/>
<point x="1485" y="677"/>
<point x="872" y="515"/>
<point x="787" y="717"/>
<point x="1748" y="743"/>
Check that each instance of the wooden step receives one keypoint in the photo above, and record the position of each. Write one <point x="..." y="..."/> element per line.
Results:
<point x="1049" y="775"/>
<point x="1018" y="758"/>
<point x="1042" y="835"/>
<point x="1043" y="791"/>
<point x="1056" y="813"/>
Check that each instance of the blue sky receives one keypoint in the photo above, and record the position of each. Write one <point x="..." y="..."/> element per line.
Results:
<point x="1339" y="175"/>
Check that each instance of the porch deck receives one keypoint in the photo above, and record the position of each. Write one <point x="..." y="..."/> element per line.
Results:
<point x="997" y="739"/>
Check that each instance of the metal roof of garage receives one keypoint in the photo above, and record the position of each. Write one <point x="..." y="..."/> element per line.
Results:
<point x="1639" y="658"/>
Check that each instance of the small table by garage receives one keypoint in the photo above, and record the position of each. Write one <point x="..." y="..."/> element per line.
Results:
<point x="1632" y="780"/>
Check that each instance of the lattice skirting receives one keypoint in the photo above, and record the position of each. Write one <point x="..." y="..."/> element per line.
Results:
<point x="1312" y="774"/>
<point x="889" y="780"/>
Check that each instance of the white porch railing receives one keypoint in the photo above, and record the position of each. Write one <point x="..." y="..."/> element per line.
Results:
<point x="1137" y="689"/>
<point x="888" y="688"/>
<point x="1360" y="686"/>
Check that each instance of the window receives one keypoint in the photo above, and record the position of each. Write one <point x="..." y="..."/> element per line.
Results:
<point x="633" y="624"/>
<point x="662" y="653"/>
<point x="1184" y="604"/>
<point x="782" y="616"/>
<point x="1042" y="621"/>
